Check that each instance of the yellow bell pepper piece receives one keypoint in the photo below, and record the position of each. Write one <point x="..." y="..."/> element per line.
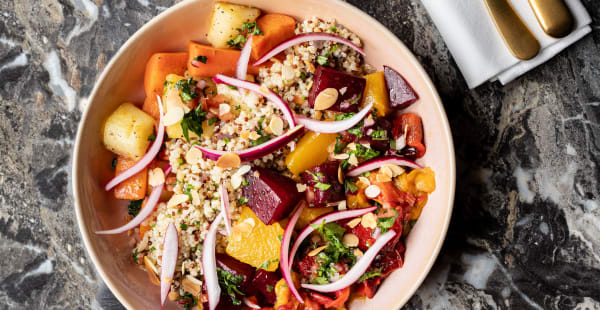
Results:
<point x="310" y="151"/>
<point x="376" y="92"/>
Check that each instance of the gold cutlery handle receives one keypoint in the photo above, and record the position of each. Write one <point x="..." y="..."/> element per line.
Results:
<point x="517" y="37"/>
<point x="554" y="17"/>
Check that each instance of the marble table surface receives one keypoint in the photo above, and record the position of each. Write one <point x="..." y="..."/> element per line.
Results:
<point x="525" y="232"/>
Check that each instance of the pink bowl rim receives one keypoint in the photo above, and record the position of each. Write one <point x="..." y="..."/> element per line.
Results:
<point x="376" y="24"/>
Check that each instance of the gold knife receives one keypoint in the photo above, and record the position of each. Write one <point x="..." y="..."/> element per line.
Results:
<point x="554" y="17"/>
<point x="517" y="37"/>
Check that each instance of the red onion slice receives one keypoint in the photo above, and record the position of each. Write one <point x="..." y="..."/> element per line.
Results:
<point x="286" y="270"/>
<point x="335" y="126"/>
<point x="357" y="270"/>
<point x="209" y="264"/>
<point x="169" y="261"/>
<point x="253" y="87"/>
<point x="147" y="159"/>
<point x="225" y="209"/>
<point x="306" y="37"/>
<point x="258" y="151"/>
<point x="328" y="218"/>
<point x="242" y="64"/>
<point x="250" y="303"/>
<point x="144" y="213"/>
<point x="378" y="162"/>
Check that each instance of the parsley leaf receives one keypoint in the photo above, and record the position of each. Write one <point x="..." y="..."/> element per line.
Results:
<point x="322" y="60"/>
<point x="193" y="121"/>
<point x="323" y="186"/>
<point x="243" y="200"/>
<point x="151" y="137"/>
<point x="187" y="88"/>
<point x="386" y="223"/>
<point x="343" y="116"/>
<point x="369" y="274"/>
<point x="134" y="207"/>
<point x="265" y="265"/>
<point x="350" y="187"/>
<point x="230" y="283"/>
<point x="134" y="256"/>
<point x="183" y="226"/>
<point x="113" y="163"/>
<point x="201" y="59"/>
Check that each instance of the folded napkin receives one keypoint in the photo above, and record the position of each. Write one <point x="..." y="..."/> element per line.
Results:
<point x="477" y="47"/>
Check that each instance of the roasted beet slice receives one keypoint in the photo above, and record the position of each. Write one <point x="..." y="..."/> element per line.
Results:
<point x="401" y="93"/>
<point x="236" y="268"/>
<point x="323" y="185"/>
<point x="350" y="88"/>
<point x="271" y="195"/>
<point x="264" y="282"/>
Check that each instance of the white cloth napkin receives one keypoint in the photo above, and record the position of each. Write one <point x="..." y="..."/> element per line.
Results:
<point x="478" y="49"/>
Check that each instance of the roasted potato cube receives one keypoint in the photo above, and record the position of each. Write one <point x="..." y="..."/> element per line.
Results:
<point x="126" y="131"/>
<point x="225" y="21"/>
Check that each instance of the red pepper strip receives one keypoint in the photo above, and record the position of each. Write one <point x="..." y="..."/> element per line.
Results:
<point x="412" y="125"/>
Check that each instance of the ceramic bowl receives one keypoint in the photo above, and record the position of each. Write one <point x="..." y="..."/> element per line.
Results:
<point x="122" y="80"/>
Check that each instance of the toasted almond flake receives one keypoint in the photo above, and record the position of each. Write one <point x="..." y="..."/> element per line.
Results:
<point x="287" y="72"/>
<point x="363" y="182"/>
<point x="372" y="191"/>
<point x="236" y="181"/>
<point x="396" y="170"/>
<point x="229" y="160"/>
<point x="254" y="135"/>
<point x="367" y="145"/>
<point x="183" y="268"/>
<point x="342" y="205"/>
<point x="276" y="126"/>
<point x="369" y="220"/>
<point x="353" y="160"/>
<point x="350" y="240"/>
<point x="151" y="270"/>
<point x="387" y="170"/>
<point x="243" y="170"/>
<point x="311" y="67"/>
<point x="195" y="198"/>
<point x="354" y="222"/>
<point x="341" y="156"/>
<point x="156" y="177"/>
<point x="382" y="177"/>
<point x="245" y="134"/>
<point x="351" y="146"/>
<point x="193" y="156"/>
<point x="358" y="253"/>
<point x="173" y="296"/>
<point x="224" y="108"/>
<point x="301" y="187"/>
<point x="343" y="90"/>
<point x="318" y="250"/>
<point x="177" y="200"/>
<point x="192" y="285"/>
<point x="340" y="175"/>
<point x="326" y="98"/>
<point x="173" y="116"/>
<point x="318" y="115"/>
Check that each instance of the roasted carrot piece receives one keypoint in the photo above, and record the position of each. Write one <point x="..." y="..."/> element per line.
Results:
<point x="157" y="68"/>
<point x="143" y="227"/>
<point x="411" y="125"/>
<point x="133" y="188"/>
<point x="218" y="60"/>
<point x="276" y="28"/>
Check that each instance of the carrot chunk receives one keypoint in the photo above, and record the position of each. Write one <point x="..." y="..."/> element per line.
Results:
<point x="157" y="68"/>
<point x="133" y="188"/>
<point x="276" y="28"/>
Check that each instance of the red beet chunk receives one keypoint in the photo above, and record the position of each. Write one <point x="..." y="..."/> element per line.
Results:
<point x="348" y="99"/>
<point x="236" y="268"/>
<point x="401" y="93"/>
<point x="264" y="282"/>
<point x="323" y="185"/>
<point x="270" y="195"/>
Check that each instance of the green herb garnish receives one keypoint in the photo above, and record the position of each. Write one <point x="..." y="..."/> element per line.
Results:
<point x="193" y="121"/>
<point x="242" y="200"/>
<point x="323" y="186"/>
<point x="151" y="137"/>
<point x="183" y="226"/>
<point x="323" y="60"/>
<point x="201" y="59"/>
<point x="350" y="187"/>
<point x="134" y="207"/>
<point x="230" y="283"/>
<point x="113" y="163"/>
<point x="369" y="274"/>
<point x="386" y="223"/>
<point x="134" y="256"/>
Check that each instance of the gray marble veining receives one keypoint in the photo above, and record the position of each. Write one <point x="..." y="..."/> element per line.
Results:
<point x="525" y="232"/>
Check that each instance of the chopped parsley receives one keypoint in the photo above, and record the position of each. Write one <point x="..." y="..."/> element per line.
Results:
<point x="323" y="186"/>
<point x="134" y="256"/>
<point x="152" y="249"/>
<point x="230" y="283"/>
<point x="247" y="29"/>
<point x="242" y="200"/>
<point x="362" y="152"/>
<point x="180" y="161"/>
<point x="265" y="265"/>
<point x="134" y="207"/>
<point x="369" y="274"/>
<point x="270" y="288"/>
<point x="320" y="185"/>
<point x="151" y="137"/>
<point x="339" y="145"/>
<point x="211" y="121"/>
<point x="333" y="29"/>
<point x="350" y="187"/>
<point x="336" y="250"/>
<point x="355" y="99"/>
<point x="244" y="182"/>
<point x="343" y="116"/>
<point x="113" y="163"/>
<point x="323" y="60"/>
<point x="190" y="301"/>
<point x="183" y="226"/>
<point x="386" y="223"/>
<point x="187" y="189"/>
<point x="201" y="59"/>
<point x="187" y="88"/>
<point x="193" y="121"/>
<point x="379" y="134"/>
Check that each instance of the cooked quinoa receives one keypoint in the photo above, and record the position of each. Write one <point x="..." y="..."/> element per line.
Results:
<point x="198" y="179"/>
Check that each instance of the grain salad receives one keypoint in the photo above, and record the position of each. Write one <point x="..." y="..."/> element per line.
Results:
<point x="276" y="139"/>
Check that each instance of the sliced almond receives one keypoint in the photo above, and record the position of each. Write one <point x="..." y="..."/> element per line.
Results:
<point x="354" y="222"/>
<point x="156" y="177"/>
<point x="343" y="90"/>
<point x="276" y="126"/>
<point x="386" y="170"/>
<point x="192" y="285"/>
<point x="173" y="296"/>
<point x="243" y="170"/>
<point x="350" y="240"/>
<point x="173" y="116"/>
<point x="301" y="187"/>
<point x="229" y="160"/>
<point x="353" y="160"/>
<point x="236" y="181"/>
<point x="287" y="72"/>
<point x="363" y="182"/>
<point x="326" y="98"/>
<point x="177" y="200"/>
<point x="372" y="191"/>
<point x="254" y="135"/>
<point x="264" y="89"/>
<point x="318" y="250"/>
<point x="193" y="156"/>
<point x="245" y="134"/>
<point x="396" y="170"/>
<point x="358" y="253"/>
<point x="151" y="270"/>
<point x="383" y="177"/>
<point x="342" y="205"/>
<point x="369" y="220"/>
<point x="224" y="108"/>
<point x="341" y="156"/>
<point x="351" y="146"/>
<point x="195" y="198"/>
